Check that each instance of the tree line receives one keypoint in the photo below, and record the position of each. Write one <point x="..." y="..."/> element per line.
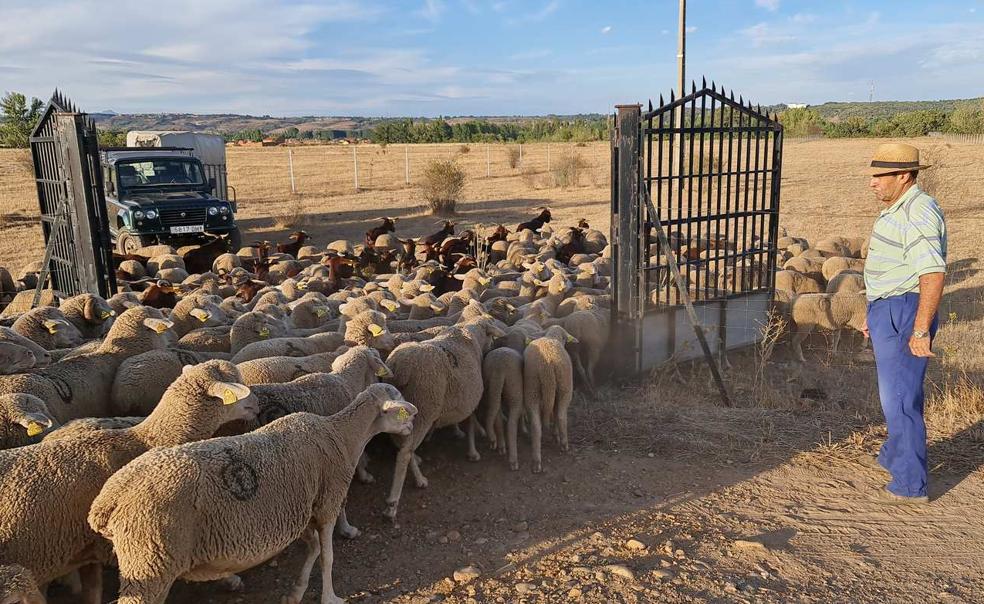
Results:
<point x="485" y="131"/>
<point x="965" y="118"/>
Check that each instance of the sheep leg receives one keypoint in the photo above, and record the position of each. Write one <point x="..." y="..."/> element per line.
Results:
<point x="313" y="543"/>
<point x="71" y="581"/>
<point x="405" y="458"/>
<point x="472" y="451"/>
<point x="515" y="411"/>
<point x="564" y="393"/>
<point x="796" y="342"/>
<point x="327" y="558"/>
<point x="834" y="340"/>
<point x="418" y="476"/>
<point x="231" y="583"/>
<point x="344" y="528"/>
<point x="500" y="436"/>
<point x="457" y="432"/>
<point x="90" y="576"/>
<point x="536" y="439"/>
<point x="147" y="590"/>
<point x="362" y="469"/>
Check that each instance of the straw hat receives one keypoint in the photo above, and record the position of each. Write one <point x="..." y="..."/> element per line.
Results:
<point x="892" y="158"/>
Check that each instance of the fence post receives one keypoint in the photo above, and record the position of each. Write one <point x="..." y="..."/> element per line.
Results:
<point x="355" y="167"/>
<point x="290" y="166"/>
<point x="488" y="160"/>
<point x="520" y="155"/>
<point x="548" y="157"/>
<point x="625" y="223"/>
<point x="406" y="162"/>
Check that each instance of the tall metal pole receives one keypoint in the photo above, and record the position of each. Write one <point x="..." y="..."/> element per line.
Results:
<point x="682" y="54"/>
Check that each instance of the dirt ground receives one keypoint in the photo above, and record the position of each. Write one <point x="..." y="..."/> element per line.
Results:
<point x="769" y="501"/>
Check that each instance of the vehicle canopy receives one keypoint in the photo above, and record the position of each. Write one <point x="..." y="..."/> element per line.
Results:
<point x="209" y="148"/>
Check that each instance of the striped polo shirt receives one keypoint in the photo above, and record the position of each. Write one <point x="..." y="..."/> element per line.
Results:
<point x="908" y="240"/>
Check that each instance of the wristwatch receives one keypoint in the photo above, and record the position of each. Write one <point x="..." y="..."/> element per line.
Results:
<point x="919" y="334"/>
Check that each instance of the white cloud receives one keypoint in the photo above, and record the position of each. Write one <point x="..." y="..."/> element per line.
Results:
<point x="691" y="29"/>
<point x="432" y="10"/>
<point x="762" y="34"/>
<point x="771" y="5"/>
<point x="606" y="29"/>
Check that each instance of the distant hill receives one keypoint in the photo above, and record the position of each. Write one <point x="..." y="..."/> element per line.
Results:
<point x="227" y="123"/>
<point x="837" y="111"/>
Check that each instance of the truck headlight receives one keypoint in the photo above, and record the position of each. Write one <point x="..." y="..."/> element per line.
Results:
<point x="213" y="211"/>
<point x="138" y="215"/>
<point x="151" y="214"/>
<point x="223" y="210"/>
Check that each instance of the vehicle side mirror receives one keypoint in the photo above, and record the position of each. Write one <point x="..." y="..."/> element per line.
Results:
<point x="211" y="184"/>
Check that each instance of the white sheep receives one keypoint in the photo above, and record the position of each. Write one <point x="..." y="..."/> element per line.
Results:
<point x="47" y="327"/>
<point x="81" y="386"/>
<point x="502" y="376"/>
<point x="15" y="358"/>
<point x="846" y="282"/>
<point x="797" y="282"/>
<point x="832" y="312"/>
<point x="548" y="383"/>
<point x="443" y="378"/>
<point x="204" y="511"/>
<point x="142" y="379"/>
<point x="838" y="264"/>
<point x="17" y="586"/>
<point x="281" y="369"/>
<point x="42" y="358"/>
<point x="292" y="347"/>
<point x="89" y="313"/>
<point x="48" y="487"/>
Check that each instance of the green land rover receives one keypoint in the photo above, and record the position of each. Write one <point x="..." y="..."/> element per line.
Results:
<point x="162" y="195"/>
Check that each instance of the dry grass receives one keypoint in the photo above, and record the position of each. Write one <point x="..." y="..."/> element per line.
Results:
<point x="568" y="170"/>
<point x="514" y="157"/>
<point x="293" y="214"/>
<point x="443" y="184"/>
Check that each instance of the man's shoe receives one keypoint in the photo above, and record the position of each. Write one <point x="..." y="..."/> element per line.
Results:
<point x="886" y="496"/>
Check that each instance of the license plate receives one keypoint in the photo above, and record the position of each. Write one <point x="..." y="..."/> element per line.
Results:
<point x="195" y="228"/>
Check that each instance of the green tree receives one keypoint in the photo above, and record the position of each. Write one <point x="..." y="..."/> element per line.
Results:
<point x="111" y="138"/>
<point x="291" y="132"/>
<point x="801" y="122"/>
<point x="18" y="119"/>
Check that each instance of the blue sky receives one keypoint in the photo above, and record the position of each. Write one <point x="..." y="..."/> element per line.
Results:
<point x="479" y="57"/>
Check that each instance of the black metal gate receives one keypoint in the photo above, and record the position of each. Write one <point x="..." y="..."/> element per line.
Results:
<point x="707" y="168"/>
<point x="78" y="250"/>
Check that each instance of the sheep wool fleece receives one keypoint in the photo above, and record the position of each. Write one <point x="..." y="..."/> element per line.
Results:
<point x="900" y="388"/>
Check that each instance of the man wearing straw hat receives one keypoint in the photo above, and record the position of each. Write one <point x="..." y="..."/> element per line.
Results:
<point x="903" y="276"/>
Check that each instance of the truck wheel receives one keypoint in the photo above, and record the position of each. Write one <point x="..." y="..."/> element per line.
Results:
<point x="235" y="240"/>
<point x="128" y="243"/>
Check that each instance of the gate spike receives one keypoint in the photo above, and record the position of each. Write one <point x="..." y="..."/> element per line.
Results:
<point x="758" y="108"/>
<point x="693" y="87"/>
<point x="703" y="83"/>
<point x="732" y="96"/>
<point x="713" y="87"/>
<point x="661" y="103"/>
<point x="671" y="96"/>
<point x="650" y="104"/>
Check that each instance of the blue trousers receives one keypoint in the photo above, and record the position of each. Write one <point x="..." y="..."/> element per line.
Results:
<point x="900" y="388"/>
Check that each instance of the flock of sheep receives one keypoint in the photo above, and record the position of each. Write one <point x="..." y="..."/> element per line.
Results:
<point x="196" y="424"/>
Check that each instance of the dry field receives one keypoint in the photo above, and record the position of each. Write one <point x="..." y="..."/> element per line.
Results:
<point x="766" y="502"/>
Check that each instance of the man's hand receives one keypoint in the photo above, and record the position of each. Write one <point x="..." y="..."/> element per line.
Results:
<point x="864" y="329"/>
<point x="920" y="347"/>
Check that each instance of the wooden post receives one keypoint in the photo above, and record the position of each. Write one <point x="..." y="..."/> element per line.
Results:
<point x="355" y="167"/>
<point x="488" y="160"/>
<point x="625" y="230"/>
<point x="548" y="157"/>
<point x="520" y="155"/>
<point x="406" y="162"/>
<point x="290" y="167"/>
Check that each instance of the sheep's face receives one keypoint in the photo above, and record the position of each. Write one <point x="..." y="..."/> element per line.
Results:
<point x="15" y="358"/>
<point x="97" y="310"/>
<point x="63" y="334"/>
<point x="395" y="413"/>
<point x="219" y="386"/>
<point x="29" y="412"/>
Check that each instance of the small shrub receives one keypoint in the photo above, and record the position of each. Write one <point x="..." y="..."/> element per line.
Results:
<point x="293" y="215"/>
<point x="532" y="178"/>
<point x="442" y="184"/>
<point x="567" y="172"/>
<point x="464" y="149"/>
<point x="513" y="154"/>
<point x="581" y="145"/>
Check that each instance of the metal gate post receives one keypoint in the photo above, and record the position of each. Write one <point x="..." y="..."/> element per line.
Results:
<point x="625" y="231"/>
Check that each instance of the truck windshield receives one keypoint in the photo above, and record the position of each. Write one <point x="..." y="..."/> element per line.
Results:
<point x="157" y="172"/>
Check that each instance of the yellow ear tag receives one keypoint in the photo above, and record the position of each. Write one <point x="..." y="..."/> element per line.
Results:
<point x="265" y="332"/>
<point x="107" y="314"/>
<point x="403" y="415"/>
<point x="375" y="330"/>
<point x="53" y="329"/>
<point x="302" y="285"/>
<point x="381" y="372"/>
<point x="570" y="338"/>
<point x="320" y="312"/>
<point x="229" y="397"/>
<point x="528" y="340"/>
<point x="34" y="428"/>
<point x="160" y="327"/>
<point x="390" y="305"/>
<point x="483" y="280"/>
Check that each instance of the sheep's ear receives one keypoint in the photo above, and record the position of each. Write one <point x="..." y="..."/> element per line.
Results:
<point x="107" y="314"/>
<point x="342" y="307"/>
<point x="34" y="428"/>
<point x="426" y="287"/>
<point x="539" y="283"/>
<point x="130" y="304"/>
<point x="186" y="369"/>
<point x="383" y="370"/>
<point x="527" y="340"/>
<point x="376" y="330"/>
<point x="510" y="307"/>
<point x="404" y="410"/>
<point x="230" y="393"/>
<point x="459" y="277"/>
<point x="200" y="314"/>
<point x="406" y="301"/>
<point x="51" y="325"/>
<point x="437" y="307"/>
<point x="484" y="280"/>
<point x="389" y="305"/>
<point x="158" y="325"/>
<point x="571" y="339"/>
